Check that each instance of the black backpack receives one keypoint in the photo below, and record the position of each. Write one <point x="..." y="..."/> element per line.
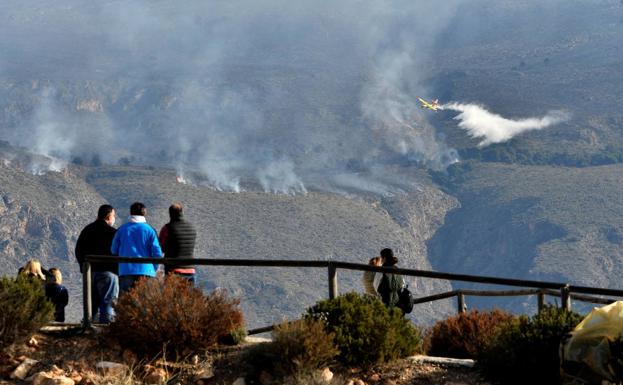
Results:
<point x="405" y="300"/>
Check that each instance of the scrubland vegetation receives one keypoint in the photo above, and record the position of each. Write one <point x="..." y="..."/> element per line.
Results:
<point x="23" y="309"/>
<point x="169" y="318"/>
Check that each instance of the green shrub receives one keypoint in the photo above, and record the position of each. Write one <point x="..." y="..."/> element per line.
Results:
<point x="525" y="350"/>
<point x="170" y="315"/>
<point x="236" y="336"/>
<point x="366" y="331"/>
<point x="24" y="309"/>
<point x="464" y="335"/>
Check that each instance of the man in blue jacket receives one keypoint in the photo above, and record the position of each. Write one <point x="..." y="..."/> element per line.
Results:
<point x="136" y="239"/>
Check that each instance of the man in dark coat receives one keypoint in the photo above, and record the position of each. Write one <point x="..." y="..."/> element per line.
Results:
<point x="96" y="239"/>
<point x="177" y="240"/>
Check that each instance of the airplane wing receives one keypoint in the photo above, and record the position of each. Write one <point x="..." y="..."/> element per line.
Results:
<point x="430" y="106"/>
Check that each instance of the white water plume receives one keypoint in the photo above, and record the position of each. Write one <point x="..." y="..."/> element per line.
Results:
<point x="493" y="128"/>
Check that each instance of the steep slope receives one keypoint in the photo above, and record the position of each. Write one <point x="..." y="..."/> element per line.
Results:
<point x="554" y="223"/>
<point x="40" y="218"/>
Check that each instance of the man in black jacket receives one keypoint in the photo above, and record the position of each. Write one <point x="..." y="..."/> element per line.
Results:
<point x="177" y="240"/>
<point x="96" y="239"/>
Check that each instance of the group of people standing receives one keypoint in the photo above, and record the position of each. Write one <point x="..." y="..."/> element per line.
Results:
<point x="135" y="238"/>
<point x="176" y="239"/>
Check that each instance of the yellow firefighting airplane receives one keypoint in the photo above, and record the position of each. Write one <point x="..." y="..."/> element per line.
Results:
<point x="434" y="105"/>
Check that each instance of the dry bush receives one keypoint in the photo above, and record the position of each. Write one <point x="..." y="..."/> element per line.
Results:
<point x="297" y="350"/>
<point x="171" y="315"/>
<point x="303" y="345"/>
<point x="312" y="379"/>
<point x="464" y="335"/>
<point x="525" y="349"/>
<point x="24" y="309"/>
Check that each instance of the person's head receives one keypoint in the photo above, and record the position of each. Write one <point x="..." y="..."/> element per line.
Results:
<point x="376" y="261"/>
<point x="176" y="211"/>
<point x="32" y="268"/>
<point x="107" y="214"/>
<point x="55" y="276"/>
<point x="388" y="257"/>
<point x="137" y="208"/>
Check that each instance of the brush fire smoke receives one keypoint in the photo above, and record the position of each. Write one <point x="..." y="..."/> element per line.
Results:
<point x="273" y="95"/>
<point x="493" y="128"/>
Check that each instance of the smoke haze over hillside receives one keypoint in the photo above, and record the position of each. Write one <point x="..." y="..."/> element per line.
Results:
<point x="285" y="95"/>
<point x="235" y="90"/>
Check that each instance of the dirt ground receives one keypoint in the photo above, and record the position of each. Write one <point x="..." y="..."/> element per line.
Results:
<point x="75" y="355"/>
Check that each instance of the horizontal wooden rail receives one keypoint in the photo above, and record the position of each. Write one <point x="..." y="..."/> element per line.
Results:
<point x="360" y="267"/>
<point x="592" y="299"/>
<point x="560" y="289"/>
<point x="435" y="297"/>
<point x="509" y="293"/>
<point x="499" y="293"/>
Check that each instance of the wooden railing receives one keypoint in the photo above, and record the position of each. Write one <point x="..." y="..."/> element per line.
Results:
<point x="564" y="291"/>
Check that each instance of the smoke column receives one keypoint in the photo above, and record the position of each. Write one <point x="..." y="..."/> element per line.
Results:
<point x="493" y="128"/>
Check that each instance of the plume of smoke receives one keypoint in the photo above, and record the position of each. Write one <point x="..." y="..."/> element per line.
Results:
<point x="387" y="101"/>
<point x="279" y="177"/>
<point x="45" y="139"/>
<point x="493" y="128"/>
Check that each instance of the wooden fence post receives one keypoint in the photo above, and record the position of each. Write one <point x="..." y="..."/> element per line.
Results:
<point x="332" y="281"/>
<point x="86" y="295"/>
<point x="460" y="302"/>
<point x="541" y="300"/>
<point x="565" y="297"/>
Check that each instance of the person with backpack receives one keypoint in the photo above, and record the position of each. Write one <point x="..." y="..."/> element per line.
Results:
<point x="392" y="287"/>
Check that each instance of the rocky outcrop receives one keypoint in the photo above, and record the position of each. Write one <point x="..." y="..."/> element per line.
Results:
<point x="40" y="218"/>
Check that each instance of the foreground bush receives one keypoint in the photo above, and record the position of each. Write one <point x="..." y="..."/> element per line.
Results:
<point x="24" y="309"/>
<point x="366" y="331"/>
<point x="464" y="335"/>
<point x="303" y="345"/>
<point x="525" y="350"/>
<point x="297" y="349"/>
<point x="171" y="315"/>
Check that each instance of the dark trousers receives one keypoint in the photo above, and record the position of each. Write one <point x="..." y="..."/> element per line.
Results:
<point x="126" y="282"/>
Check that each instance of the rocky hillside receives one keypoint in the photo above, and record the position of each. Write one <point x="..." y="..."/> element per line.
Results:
<point x="43" y="215"/>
